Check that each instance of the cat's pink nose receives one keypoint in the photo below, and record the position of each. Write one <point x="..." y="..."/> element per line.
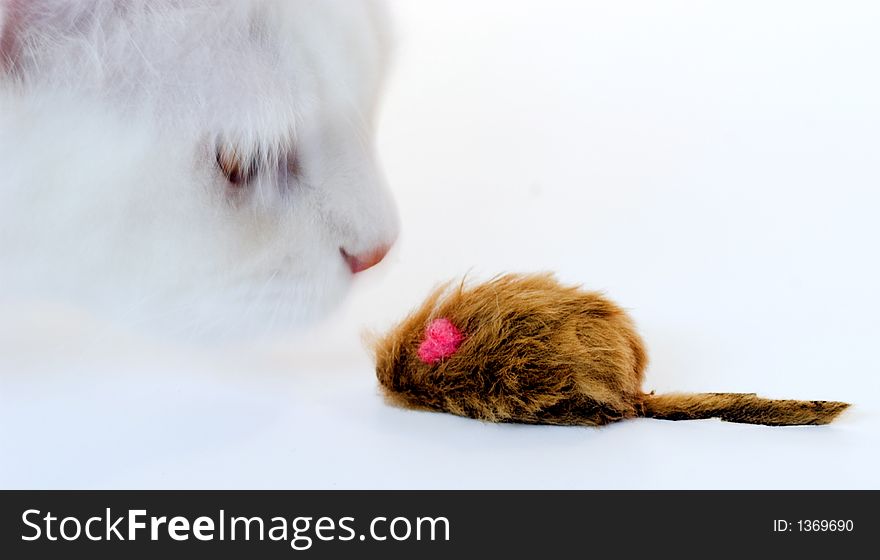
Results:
<point x="363" y="261"/>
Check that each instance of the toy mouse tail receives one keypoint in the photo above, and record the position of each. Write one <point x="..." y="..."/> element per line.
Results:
<point x="745" y="408"/>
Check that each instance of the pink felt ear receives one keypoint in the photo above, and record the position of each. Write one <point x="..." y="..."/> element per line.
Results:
<point x="441" y="341"/>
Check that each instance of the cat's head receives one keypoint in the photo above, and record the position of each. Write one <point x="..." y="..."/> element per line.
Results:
<point x="208" y="161"/>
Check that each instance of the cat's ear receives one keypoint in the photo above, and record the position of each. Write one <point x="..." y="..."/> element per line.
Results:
<point x="14" y="18"/>
<point x="9" y="27"/>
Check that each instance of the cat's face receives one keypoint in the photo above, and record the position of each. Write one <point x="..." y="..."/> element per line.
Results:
<point x="210" y="162"/>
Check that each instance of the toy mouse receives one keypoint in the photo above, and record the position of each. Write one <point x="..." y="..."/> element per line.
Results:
<point x="525" y="348"/>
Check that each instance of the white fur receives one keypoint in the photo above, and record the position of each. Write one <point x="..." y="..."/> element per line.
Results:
<point x="111" y="113"/>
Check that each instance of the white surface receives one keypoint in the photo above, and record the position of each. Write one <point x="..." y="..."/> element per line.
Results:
<point x="713" y="167"/>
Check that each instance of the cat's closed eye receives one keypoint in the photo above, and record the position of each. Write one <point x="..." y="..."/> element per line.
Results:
<point x="237" y="171"/>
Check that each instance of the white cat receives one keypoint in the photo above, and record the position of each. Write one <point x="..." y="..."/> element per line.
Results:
<point x="203" y="165"/>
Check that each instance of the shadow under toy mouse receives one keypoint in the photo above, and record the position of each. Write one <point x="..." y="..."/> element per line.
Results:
<point x="524" y="348"/>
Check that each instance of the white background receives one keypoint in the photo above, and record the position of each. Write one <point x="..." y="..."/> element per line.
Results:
<point x="714" y="167"/>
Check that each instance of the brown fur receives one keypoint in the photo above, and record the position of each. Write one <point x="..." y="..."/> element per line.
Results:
<point x="538" y="352"/>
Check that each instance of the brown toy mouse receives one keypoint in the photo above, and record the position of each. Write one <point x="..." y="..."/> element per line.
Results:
<point x="525" y="348"/>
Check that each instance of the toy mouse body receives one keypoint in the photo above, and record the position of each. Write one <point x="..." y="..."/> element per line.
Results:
<point x="524" y="348"/>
